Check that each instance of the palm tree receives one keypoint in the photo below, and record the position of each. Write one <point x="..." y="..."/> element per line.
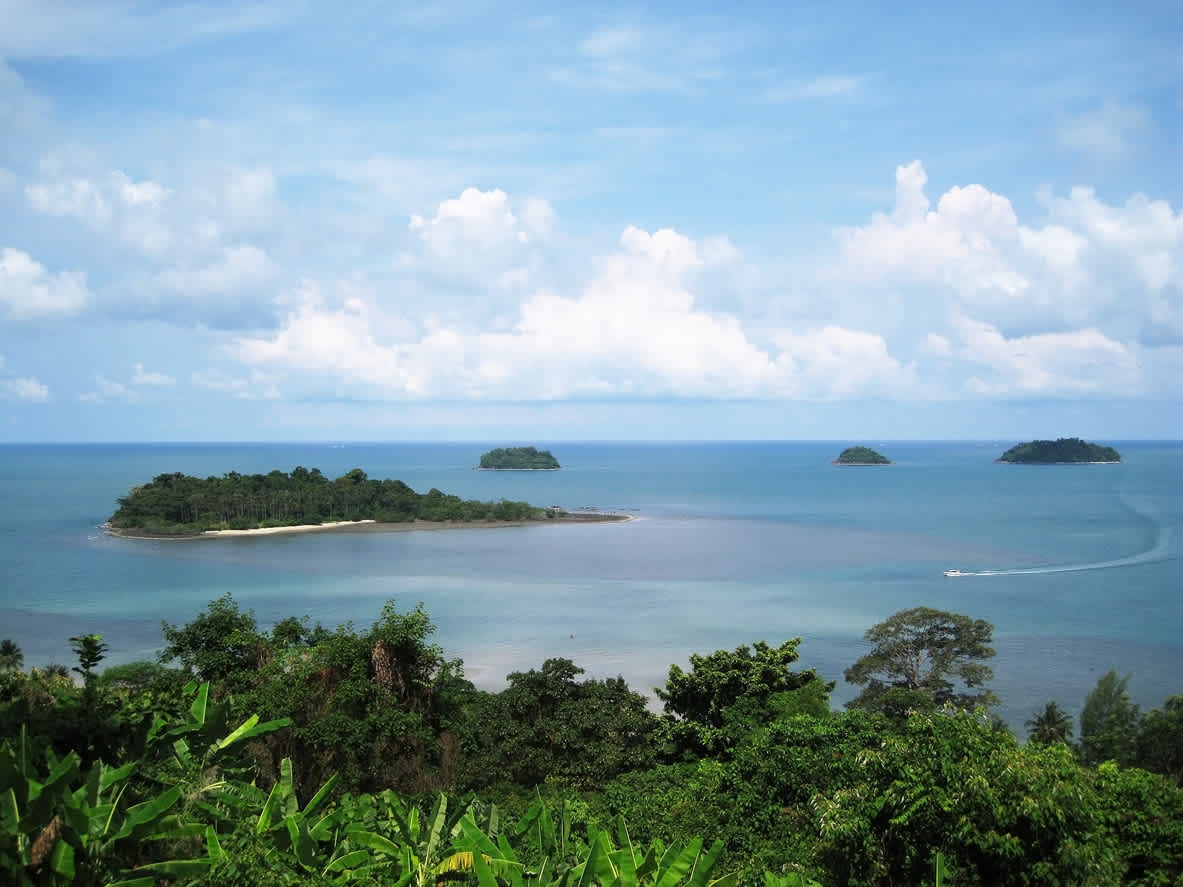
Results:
<point x="11" y="657"/>
<point x="1049" y="726"/>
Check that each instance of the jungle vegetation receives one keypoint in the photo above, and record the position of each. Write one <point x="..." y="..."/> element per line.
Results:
<point x="296" y="754"/>
<point x="861" y="456"/>
<point x="519" y="459"/>
<point x="178" y="504"/>
<point x="1065" y="449"/>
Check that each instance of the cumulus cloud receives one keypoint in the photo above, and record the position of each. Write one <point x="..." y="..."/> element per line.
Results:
<point x="635" y="329"/>
<point x="24" y="388"/>
<point x="1079" y="362"/>
<point x="255" y="386"/>
<point x="234" y="269"/>
<point x="107" y="390"/>
<point x="29" y="291"/>
<point x="1118" y="269"/>
<point x="140" y="376"/>
<point x="1106" y="133"/>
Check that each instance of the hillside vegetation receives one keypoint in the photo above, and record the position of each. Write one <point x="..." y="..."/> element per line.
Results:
<point x="300" y="755"/>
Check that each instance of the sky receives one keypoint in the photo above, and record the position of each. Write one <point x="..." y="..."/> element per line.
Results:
<point x="529" y="222"/>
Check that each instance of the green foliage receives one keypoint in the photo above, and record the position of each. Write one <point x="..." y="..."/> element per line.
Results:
<point x="219" y="644"/>
<point x="11" y="657"/>
<point x="1160" y="739"/>
<point x="915" y="653"/>
<point x="548" y="724"/>
<point x="1065" y="449"/>
<point x="714" y="707"/>
<point x="519" y="458"/>
<point x="1051" y="724"/>
<point x="1142" y="821"/>
<point x="1108" y="722"/>
<point x="178" y="504"/>
<point x="861" y="456"/>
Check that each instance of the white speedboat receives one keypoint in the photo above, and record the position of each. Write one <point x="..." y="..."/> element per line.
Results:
<point x="956" y="573"/>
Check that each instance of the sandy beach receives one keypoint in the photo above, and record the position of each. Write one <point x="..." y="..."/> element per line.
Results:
<point x="372" y="526"/>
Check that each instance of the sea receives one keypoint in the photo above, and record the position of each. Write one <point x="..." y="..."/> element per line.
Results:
<point x="1078" y="567"/>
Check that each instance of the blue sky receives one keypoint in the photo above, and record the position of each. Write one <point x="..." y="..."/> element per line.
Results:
<point x="292" y="220"/>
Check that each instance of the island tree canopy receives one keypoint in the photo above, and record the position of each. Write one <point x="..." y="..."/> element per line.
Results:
<point x="519" y="458"/>
<point x="1065" y="449"/>
<point x="178" y="504"/>
<point x="861" y="456"/>
<point x="917" y="656"/>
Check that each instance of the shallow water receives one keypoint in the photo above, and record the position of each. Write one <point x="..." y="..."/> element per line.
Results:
<point x="735" y="543"/>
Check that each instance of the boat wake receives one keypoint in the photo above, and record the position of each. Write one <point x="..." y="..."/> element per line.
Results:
<point x="1156" y="552"/>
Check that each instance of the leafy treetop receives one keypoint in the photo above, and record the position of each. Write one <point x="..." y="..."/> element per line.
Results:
<point x="917" y="655"/>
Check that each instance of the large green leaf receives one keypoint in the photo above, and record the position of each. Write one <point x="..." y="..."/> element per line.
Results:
<point x="200" y="703"/>
<point x="672" y="874"/>
<point x="112" y="775"/>
<point x="705" y="865"/>
<point x="350" y="860"/>
<point x="252" y="728"/>
<point x="62" y="859"/>
<point x="321" y="794"/>
<point x="373" y="841"/>
<point x="141" y="815"/>
<point x="178" y="868"/>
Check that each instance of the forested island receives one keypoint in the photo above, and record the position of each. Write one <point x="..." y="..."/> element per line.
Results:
<point x="182" y="505"/>
<point x="861" y="456"/>
<point x="1065" y="449"/>
<point x="295" y="754"/>
<point x="519" y="459"/>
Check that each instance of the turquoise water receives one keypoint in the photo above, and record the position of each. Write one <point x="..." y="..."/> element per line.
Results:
<point x="735" y="543"/>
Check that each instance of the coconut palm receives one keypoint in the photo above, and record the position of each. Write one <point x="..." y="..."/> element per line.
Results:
<point x="1049" y="726"/>
<point x="11" y="657"/>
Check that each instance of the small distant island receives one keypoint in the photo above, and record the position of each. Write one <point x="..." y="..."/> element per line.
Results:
<point x="1065" y="449"/>
<point x="179" y="505"/>
<point x="519" y="459"/>
<point x="861" y="456"/>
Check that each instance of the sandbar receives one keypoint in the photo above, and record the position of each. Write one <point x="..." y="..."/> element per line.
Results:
<point x="373" y="526"/>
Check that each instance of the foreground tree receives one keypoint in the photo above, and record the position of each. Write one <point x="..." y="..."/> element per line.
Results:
<point x="715" y="706"/>
<point x="916" y="657"/>
<point x="1108" y="722"/>
<point x="11" y="657"/>
<point x="1049" y="726"/>
<point x="1160" y="739"/>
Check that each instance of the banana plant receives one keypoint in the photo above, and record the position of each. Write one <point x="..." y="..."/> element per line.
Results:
<point x="71" y="828"/>
<point x="605" y="865"/>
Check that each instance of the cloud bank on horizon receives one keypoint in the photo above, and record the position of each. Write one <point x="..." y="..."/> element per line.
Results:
<point x="271" y="221"/>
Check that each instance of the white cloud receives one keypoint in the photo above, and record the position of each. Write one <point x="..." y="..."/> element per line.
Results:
<point x="79" y="198"/>
<point x="828" y="87"/>
<point x="140" y="376"/>
<point x="108" y="390"/>
<point x="24" y="388"/>
<point x="29" y="291"/>
<point x="1079" y="362"/>
<point x="634" y="329"/>
<point x="1116" y="268"/>
<point x="235" y="269"/>
<point x="256" y="386"/>
<point x="1106" y="133"/>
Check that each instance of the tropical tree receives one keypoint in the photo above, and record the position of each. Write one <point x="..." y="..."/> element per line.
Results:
<point x="714" y="706"/>
<point x="916" y="658"/>
<point x="1050" y="725"/>
<point x="1160" y="739"/>
<point x="11" y="657"/>
<point x="1108" y="722"/>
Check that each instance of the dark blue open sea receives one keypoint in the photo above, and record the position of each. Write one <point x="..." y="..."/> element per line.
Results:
<point x="736" y="542"/>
